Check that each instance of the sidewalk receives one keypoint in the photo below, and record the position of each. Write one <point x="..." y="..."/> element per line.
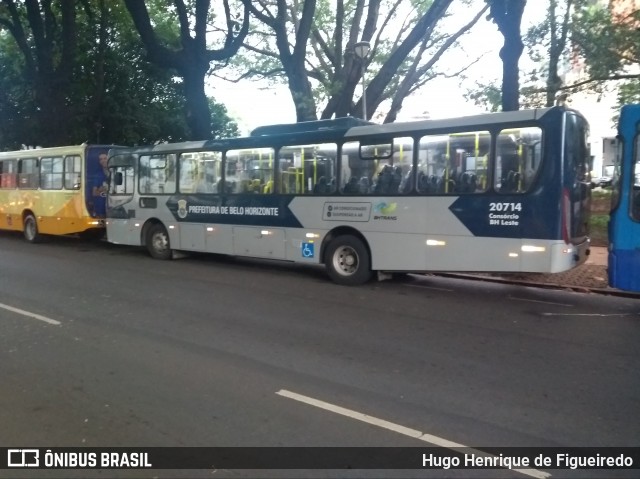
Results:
<point x="588" y="277"/>
<point x="592" y="275"/>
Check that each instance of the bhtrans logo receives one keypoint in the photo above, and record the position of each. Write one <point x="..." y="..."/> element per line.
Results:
<point x="384" y="211"/>
<point x="23" y="458"/>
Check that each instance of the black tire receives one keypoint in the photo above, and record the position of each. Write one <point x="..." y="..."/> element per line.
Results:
<point x="30" y="229"/>
<point x="347" y="261"/>
<point x="157" y="242"/>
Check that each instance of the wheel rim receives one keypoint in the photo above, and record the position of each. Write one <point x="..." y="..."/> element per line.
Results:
<point x="160" y="242"/>
<point x="30" y="228"/>
<point x="346" y="260"/>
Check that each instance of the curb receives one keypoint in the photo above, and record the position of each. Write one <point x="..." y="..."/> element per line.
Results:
<point x="570" y="287"/>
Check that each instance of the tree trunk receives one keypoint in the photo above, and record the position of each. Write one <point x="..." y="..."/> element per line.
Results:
<point x="302" y="96"/>
<point x="510" y="55"/>
<point x="508" y="16"/>
<point x="197" y="114"/>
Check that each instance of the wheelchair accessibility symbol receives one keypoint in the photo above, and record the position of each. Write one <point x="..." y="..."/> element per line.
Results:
<point x="307" y="250"/>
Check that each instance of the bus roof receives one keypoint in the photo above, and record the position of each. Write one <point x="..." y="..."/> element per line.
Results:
<point x="55" y="150"/>
<point x="321" y="131"/>
<point x="447" y="123"/>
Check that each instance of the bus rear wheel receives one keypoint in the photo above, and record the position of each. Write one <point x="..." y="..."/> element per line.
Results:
<point x="158" y="242"/>
<point x="30" y="229"/>
<point x="347" y="260"/>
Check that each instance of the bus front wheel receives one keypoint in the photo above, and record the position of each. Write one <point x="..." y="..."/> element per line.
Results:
<point x="30" y="229"/>
<point x="347" y="261"/>
<point x="158" y="242"/>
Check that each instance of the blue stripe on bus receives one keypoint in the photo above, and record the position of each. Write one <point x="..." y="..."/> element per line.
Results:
<point x="251" y="210"/>
<point x="512" y="216"/>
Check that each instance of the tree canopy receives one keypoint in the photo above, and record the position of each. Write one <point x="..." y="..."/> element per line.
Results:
<point x="309" y="45"/>
<point x="190" y="52"/>
<point x="130" y="71"/>
<point x="101" y="89"/>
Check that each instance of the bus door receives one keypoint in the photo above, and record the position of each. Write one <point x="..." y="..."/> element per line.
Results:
<point x="121" y="210"/>
<point x="576" y="195"/>
<point x="624" y="222"/>
<point x="97" y="180"/>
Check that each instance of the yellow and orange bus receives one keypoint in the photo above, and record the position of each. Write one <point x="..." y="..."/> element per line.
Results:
<point x="54" y="191"/>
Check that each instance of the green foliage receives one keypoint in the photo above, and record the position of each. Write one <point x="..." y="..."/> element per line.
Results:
<point x="607" y="41"/>
<point x="629" y="92"/>
<point x="599" y="229"/>
<point x="488" y="97"/>
<point x="602" y="36"/>
<point x="407" y="39"/>
<point x="115" y="95"/>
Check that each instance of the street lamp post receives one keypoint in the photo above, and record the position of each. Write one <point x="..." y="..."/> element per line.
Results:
<point x="362" y="50"/>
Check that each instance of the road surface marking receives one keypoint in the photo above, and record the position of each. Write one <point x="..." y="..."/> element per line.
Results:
<point x="588" y="314"/>
<point x="414" y="433"/>
<point x="540" y="301"/>
<point x="31" y="315"/>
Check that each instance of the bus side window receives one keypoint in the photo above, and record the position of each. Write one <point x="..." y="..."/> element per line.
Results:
<point x="518" y="159"/>
<point x="456" y="163"/>
<point x="249" y="171"/>
<point x="8" y="174"/>
<point x="308" y="169"/>
<point x="49" y="176"/>
<point x="28" y="173"/>
<point x="402" y="176"/>
<point x="635" y="187"/>
<point x="158" y="174"/>
<point x="72" y="172"/>
<point x="200" y="172"/>
<point x="357" y="174"/>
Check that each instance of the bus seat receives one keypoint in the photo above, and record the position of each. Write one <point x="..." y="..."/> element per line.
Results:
<point x="352" y="187"/>
<point x="396" y="179"/>
<point x="517" y="181"/>
<point x="407" y="184"/>
<point x="384" y="181"/>
<point x="472" y="185"/>
<point x="464" y="183"/>
<point x="424" y="183"/>
<point x="436" y="182"/>
<point x="254" y="186"/>
<point x="510" y="183"/>
<point x="321" y="187"/>
<point x="365" y="185"/>
<point x="268" y="187"/>
<point x="331" y="186"/>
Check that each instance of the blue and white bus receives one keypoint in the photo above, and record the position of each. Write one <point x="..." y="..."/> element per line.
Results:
<point x="500" y="192"/>
<point x="624" y="221"/>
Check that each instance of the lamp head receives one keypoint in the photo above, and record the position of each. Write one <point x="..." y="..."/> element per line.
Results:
<point x="362" y="49"/>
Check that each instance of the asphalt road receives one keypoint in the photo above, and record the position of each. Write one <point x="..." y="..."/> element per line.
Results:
<point x="102" y="346"/>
